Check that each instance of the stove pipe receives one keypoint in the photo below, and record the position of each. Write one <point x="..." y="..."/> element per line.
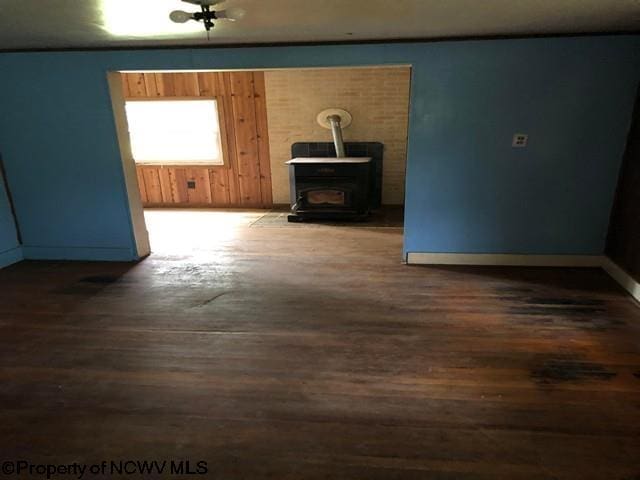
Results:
<point x="336" y="130"/>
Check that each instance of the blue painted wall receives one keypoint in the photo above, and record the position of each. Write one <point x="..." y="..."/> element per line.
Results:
<point x="467" y="189"/>
<point x="10" y="250"/>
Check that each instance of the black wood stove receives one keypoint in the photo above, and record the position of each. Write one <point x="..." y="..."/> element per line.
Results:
<point x="330" y="188"/>
<point x="346" y="186"/>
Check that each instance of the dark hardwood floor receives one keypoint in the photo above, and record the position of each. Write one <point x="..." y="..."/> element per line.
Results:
<point x="313" y="353"/>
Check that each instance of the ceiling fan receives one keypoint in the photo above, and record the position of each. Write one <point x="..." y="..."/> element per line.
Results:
<point x="206" y="15"/>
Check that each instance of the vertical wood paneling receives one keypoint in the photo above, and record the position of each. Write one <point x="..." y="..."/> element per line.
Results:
<point x="165" y="185"/>
<point x="126" y="93"/>
<point x="245" y="179"/>
<point x="136" y="86"/>
<point x="244" y="118"/>
<point x="164" y="84"/>
<point x="259" y="94"/>
<point x="152" y="184"/>
<point x="179" y="185"/>
<point x="201" y="194"/>
<point x="186" y="85"/>
<point x="207" y="82"/>
<point x="223" y="86"/>
<point x="219" y="187"/>
<point x="150" y="85"/>
<point x="141" y="186"/>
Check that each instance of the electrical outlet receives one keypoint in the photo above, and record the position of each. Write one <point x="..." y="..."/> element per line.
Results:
<point x="519" y="140"/>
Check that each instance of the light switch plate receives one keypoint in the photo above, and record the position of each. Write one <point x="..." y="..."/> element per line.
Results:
<point x="520" y="140"/>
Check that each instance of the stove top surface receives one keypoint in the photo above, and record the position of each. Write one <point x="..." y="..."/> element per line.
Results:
<point x="306" y="160"/>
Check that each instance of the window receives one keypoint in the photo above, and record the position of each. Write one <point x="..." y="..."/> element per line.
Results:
<point x="175" y="131"/>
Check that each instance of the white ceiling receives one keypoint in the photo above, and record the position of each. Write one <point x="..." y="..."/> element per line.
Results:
<point x="26" y="24"/>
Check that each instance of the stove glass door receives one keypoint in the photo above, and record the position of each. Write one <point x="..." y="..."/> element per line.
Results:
<point x="326" y="197"/>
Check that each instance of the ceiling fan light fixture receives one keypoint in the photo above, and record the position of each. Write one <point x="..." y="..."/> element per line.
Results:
<point x="207" y="15"/>
<point x="205" y="3"/>
<point x="180" y="16"/>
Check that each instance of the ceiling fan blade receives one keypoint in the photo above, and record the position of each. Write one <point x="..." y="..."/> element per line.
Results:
<point x="232" y="14"/>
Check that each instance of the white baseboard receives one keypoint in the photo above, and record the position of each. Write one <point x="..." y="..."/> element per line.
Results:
<point x="418" y="258"/>
<point x="622" y="277"/>
<point x="490" y="259"/>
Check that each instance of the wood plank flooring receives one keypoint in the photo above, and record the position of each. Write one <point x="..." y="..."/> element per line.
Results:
<point x="313" y="353"/>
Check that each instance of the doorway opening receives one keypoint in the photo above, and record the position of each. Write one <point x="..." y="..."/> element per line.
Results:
<point x="204" y="152"/>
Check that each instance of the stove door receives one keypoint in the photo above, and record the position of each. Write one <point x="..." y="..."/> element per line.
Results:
<point x="323" y="197"/>
<point x="326" y="197"/>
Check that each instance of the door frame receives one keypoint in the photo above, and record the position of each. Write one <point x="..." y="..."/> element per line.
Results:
<point x="136" y="210"/>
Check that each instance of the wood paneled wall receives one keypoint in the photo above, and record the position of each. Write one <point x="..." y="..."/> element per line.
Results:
<point x="245" y="179"/>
